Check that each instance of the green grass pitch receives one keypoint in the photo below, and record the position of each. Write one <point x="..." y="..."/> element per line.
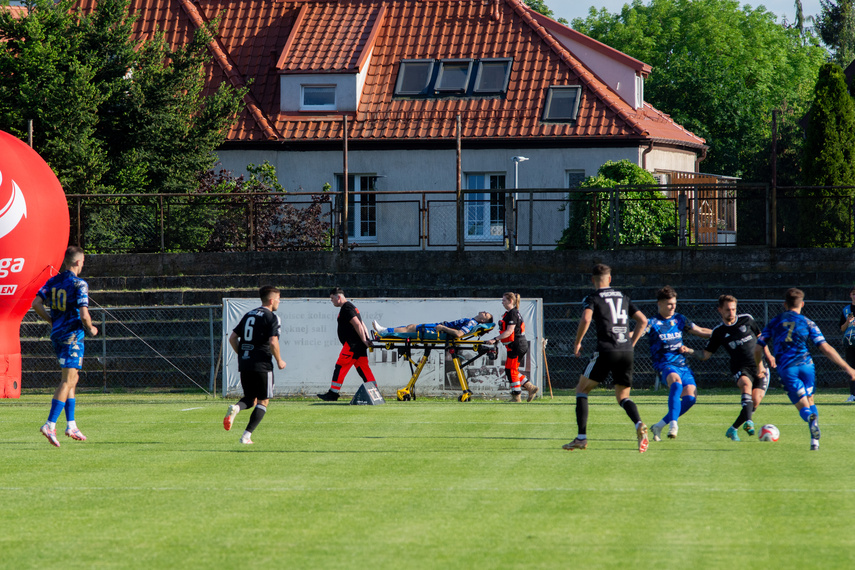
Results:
<point x="424" y="484"/>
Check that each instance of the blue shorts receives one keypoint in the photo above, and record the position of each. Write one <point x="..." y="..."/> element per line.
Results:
<point x="798" y="381"/>
<point x="70" y="351"/>
<point x="684" y="372"/>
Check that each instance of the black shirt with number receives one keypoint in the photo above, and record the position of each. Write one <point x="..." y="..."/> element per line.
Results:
<point x="738" y="339"/>
<point x="611" y="318"/>
<point x="346" y="333"/>
<point x="254" y="332"/>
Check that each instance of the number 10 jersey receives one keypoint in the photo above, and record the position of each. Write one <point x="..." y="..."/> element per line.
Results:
<point x="612" y="310"/>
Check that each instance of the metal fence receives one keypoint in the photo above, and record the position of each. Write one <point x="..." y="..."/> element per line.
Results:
<point x="665" y="215"/>
<point x="178" y="348"/>
<point x="561" y="319"/>
<point x="137" y="348"/>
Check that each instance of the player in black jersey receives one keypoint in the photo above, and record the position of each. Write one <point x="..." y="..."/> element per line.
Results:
<point x="512" y="335"/>
<point x="738" y="335"/>
<point x="255" y="339"/>
<point x="610" y="311"/>
<point x="355" y="343"/>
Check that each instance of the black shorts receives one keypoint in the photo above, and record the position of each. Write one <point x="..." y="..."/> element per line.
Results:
<point x="751" y="373"/>
<point x="257" y="384"/>
<point x="619" y="363"/>
<point x="849" y="353"/>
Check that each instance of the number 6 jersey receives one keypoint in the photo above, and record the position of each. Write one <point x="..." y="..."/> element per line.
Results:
<point x="254" y="332"/>
<point x="612" y="310"/>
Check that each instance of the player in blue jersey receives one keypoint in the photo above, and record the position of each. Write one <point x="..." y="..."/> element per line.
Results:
<point x="665" y="332"/>
<point x="456" y="328"/>
<point x="64" y="302"/>
<point x="847" y="327"/>
<point x="789" y="334"/>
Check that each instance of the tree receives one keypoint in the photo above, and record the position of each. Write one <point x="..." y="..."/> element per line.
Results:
<point x="718" y="69"/>
<point x="110" y="113"/>
<point x="825" y="214"/>
<point x="836" y="26"/>
<point x="645" y="216"/>
<point x="540" y="7"/>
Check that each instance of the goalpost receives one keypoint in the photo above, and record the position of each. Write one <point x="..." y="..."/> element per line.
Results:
<point x="310" y="346"/>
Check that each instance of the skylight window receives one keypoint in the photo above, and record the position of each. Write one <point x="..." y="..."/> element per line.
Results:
<point x="492" y="76"/>
<point x="414" y="77"/>
<point x="441" y="78"/>
<point x="453" y="75"/>
<point x="562" y="103"/>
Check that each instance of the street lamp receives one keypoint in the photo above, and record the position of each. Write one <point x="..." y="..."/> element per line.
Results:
<point x="517" y="160"/>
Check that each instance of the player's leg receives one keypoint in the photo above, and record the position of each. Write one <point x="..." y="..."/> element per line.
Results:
<point x="849" y="355"/>
<point x="583" y="388"/>
<point x="262" y="391"/>
<point x="793" y="379"/>
<point x="71" y="429"/>
<point x="622" y="367"/>
<point x="246" y="402"/>
<point x="675" y="389"/>
<point x="746" y="408"/>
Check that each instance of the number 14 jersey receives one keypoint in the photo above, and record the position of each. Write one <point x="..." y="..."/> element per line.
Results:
<point x="612" y="310"/>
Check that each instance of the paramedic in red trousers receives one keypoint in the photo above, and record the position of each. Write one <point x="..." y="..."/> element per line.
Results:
<point x="355" y="343"/>
<point x="512" y="335"/>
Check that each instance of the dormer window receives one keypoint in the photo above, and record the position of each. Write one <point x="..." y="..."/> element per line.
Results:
<point x="562" y="103"/>
<point x="433" y="79"/>
<point x="453" y="76"/>
<point x="317" y="98"/>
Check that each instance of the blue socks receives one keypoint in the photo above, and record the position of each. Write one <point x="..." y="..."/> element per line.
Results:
<point x="673" y="402"/>
<point x="806" y="412"/>
<point x="56" y="409"/>
<point x="686" y="404"/>
<point x="69" y="409"/>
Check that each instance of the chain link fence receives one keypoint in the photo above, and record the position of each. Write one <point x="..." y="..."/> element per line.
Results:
<point x="178" y="348"/>
<point x="137" y="348"/>
<point x="561" y="319"/>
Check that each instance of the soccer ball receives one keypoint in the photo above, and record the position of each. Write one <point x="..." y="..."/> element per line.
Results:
<point x="769" y="433"/>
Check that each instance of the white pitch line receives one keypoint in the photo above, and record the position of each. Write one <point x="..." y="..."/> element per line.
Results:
<point x="188" y="409"/>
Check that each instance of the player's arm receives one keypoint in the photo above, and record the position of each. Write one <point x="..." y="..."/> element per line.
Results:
<point x="453" y="332"/>
<point x="274" y="350"/>
<point x="86" y="320"/>
<point x="846" y="322"/>
<point x="835" y="357"/>
<point x="640" y="326"/>
<point x="702" y="332"/>
<point x="584" y="324"/>
<point x="39" y="308"/>
<point x="356" y="322"/>
<point x="233" y="341"/>
<point x="696" y="354"/>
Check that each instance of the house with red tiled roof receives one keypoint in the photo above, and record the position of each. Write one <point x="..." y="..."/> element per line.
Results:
<point x="433" y="94"/>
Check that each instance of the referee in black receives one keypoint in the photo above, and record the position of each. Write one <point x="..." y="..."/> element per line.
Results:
<point x="256" y="341"/>
<point x="610" y="311"/>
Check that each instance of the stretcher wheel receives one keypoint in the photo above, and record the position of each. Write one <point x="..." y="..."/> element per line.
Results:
<point x="465" y="396"/>
<point x="404" y="395"/>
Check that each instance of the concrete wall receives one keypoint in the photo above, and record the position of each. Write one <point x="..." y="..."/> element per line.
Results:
<point x="748" y="273"/>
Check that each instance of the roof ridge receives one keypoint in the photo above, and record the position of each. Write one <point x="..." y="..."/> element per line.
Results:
<point x="224" y="61"/>
<point x="580" y="69"/>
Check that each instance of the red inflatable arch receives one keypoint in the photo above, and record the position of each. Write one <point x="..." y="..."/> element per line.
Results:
<point x="33" y="236"/>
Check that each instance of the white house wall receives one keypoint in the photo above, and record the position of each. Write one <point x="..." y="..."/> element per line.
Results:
<point x="435" y="170"/>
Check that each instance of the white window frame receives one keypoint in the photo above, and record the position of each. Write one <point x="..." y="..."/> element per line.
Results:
<point x="326" y="107"/>
<point x="481" y="226"/>
<point x="361" y="208"/>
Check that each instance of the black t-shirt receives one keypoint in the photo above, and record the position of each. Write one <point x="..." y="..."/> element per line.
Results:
<point x="346" y="332"/>
<point x="738" y="339"/>
<point x="512" y="317"/>
<point x="612" y="310"/>
<point x="254" y="332"/>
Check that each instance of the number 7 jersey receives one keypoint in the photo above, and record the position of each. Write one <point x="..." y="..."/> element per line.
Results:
<point x="612" y="310"/>
<point x="789" y="333"/>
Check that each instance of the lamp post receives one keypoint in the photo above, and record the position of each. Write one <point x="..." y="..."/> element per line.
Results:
<point x="517" y="160"/>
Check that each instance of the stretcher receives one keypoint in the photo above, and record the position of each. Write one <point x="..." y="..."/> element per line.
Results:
<point x="406" y="343"/>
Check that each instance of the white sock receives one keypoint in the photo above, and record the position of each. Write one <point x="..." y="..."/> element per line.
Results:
<point x="673" y="423"/>
<point x="51" y="425"/>
<point x="246" y="434"/>
<point x="72" y="425"/>
<point x="659" y="425"/>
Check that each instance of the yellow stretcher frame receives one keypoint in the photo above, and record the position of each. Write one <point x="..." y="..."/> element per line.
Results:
<point x="453" y="346"/>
